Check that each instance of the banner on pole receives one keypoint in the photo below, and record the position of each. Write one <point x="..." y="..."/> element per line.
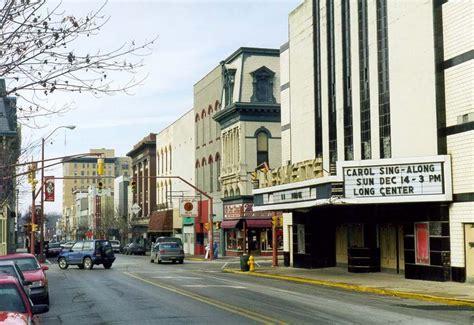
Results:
<point x="49" y="188"/>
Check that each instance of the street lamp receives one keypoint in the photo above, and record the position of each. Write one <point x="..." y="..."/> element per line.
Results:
<point x="43" y="140"/>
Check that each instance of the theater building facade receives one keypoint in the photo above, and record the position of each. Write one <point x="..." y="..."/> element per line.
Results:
<point x="377" y="161"/>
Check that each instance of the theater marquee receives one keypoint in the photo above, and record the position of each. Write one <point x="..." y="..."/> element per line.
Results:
<point x="397" y="180"/>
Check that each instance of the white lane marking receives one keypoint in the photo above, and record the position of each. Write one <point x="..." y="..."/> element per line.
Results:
<point x="177" y="277"/>
<point x="212" y="286"/>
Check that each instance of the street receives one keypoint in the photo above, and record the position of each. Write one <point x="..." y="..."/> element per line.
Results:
<point x="134" y="291"/>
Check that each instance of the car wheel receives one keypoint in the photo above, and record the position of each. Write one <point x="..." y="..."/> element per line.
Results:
<point x="88" y="263"/>
<point x="107" y="265"/>
<point x="62" y="263"/>
<point x="181" y="261"/>
<point x="174" y="261"/>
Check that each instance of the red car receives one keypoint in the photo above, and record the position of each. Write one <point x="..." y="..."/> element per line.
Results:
<point x="33" y="272"/>
<point x="15" y="307"/>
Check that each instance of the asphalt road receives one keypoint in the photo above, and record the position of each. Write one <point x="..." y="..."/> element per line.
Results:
<point x="134" y="291"/>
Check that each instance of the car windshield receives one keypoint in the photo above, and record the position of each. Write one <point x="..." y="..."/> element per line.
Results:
<point x="27" y="264"/>
<point x="53" y="245"/>
<point x="7" y="270"/>
<point x="10" y="299"/>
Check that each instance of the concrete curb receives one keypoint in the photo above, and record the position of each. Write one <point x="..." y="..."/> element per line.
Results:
<point x="354" y="287"/>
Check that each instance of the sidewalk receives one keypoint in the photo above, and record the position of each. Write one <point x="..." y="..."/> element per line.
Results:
<point x="452" y="293"/>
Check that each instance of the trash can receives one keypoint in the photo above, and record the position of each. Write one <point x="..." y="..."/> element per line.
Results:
<point x="244" y="262"/>
<point x="286" y="259"/>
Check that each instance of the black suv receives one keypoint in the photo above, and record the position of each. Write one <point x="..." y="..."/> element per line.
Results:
<point x="88" y="253"/>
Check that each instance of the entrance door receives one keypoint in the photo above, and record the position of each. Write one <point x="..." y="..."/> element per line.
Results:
<point x="188" y="242"/>
<point x="469" y="249"/>
<point x="254" y="241"/>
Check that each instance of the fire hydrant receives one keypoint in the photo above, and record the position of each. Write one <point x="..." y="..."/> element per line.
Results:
<point x="251" y="264"/>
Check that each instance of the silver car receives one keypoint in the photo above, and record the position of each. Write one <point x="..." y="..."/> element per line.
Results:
<point x="116" y="246"/>
<point x="167" y="251"/>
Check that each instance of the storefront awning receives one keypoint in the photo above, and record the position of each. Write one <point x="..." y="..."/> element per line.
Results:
<point x="161" y="221"/>
<point x="259" y="223"/>
<point x="226" y="224"/>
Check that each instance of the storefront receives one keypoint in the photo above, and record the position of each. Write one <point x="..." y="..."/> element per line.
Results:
<point x="248" y="232"/>
<point x="375" y="215"/>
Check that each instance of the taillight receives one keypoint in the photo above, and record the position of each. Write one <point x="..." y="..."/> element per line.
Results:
<point x="162" y="251"/>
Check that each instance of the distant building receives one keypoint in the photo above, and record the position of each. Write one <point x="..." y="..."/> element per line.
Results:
<point x="143" y="157"/>
<point x="10" y="144"/>
<point x="377" y="132"/>
<point x="84" y="171"/>
<point x="175" y="157"/>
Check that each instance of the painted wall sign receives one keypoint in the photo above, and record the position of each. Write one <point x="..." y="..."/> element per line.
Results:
<point x="416" y="179"/>
<point x="239" y="210"/>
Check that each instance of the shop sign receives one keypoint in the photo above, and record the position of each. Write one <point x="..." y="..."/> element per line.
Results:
<point x="239" y="210"/>
<point x="188" y="208"/>
<point x="294" y="195"/>
<point x="397" y="180"/>
<point x="49" y="188"/>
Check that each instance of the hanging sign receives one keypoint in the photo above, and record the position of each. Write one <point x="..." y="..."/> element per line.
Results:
<point x="49" y="188"/>
<point x="188" y="208"/>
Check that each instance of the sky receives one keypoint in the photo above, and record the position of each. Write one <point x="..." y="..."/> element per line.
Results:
<point x="193" y="37"/>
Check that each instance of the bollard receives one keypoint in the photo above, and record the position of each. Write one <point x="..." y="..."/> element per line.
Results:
<point x="251" y="264"/>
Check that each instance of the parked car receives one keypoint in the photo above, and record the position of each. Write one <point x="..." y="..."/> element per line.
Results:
<point x="165" y="251"/>
<point x="33" y="272"/>
<point x="68" y="245"/>
<point x="117" y="247"/>
<point x="12" y="269"/>
<point x="15" y="306"/>
<point x="52" y="249"/>
<point x="86" y="254"/>
<point x="134" y="249"/>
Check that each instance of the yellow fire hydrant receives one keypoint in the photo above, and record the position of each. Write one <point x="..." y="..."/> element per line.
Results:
<point x="251" y="264"/>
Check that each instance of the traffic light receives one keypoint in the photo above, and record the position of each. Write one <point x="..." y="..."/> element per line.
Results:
<point x="218" y="225"/>
<point x="27" y="227"/>
<point x="100" y="185"/>
<point x="100" y="166"/>
<point x="32" y="173"/>
<point x="134" y="185"/>
<point x="34" y="227"/>
<point x="274" y="221"/>
<point x="277" y="221"/>
<point x="206" y="226"/>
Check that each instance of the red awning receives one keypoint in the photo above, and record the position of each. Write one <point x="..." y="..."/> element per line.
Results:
<point x="259" y="223"/>
<point x="226" y="224"/>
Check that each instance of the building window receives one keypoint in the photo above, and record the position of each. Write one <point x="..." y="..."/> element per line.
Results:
<point x="347" y="92"/>
<point x="262" y="86"/>
<point x="383" y="73"/>
<point x="211" y="174"/>
<point x="218" y="167"/>
<point x="331" y="83"/>
<point x="317" y="81"/>
<point x="262" y="148"/>
<point x="365" y="135"/>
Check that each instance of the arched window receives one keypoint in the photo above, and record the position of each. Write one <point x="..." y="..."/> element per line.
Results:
<point x="231" y="192"/>
<point x="203" y="174"/>
<point x="170" y="158"/>
<point x="217" y="106"/>
<point x="211" y="174"/>
<point x="197" y="164"/>
<point x="262" y="147"/>
<point x="218" y="167"/>
<point x="196" y="119"/>
<point x="203" y="114"/>
<point x="209" y="110"/>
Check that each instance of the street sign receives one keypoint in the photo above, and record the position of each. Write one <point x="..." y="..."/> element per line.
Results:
<point x="188" y="208"/>
<point x="135" y="208"/>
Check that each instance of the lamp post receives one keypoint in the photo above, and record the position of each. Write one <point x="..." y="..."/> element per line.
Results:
<point x="43" y="140"/>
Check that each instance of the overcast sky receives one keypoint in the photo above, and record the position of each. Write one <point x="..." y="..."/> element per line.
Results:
<point x="193" y="37"/>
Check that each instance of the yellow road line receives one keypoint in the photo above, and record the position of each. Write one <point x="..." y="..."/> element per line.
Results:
<point x="258" y="317"/>
<point x="354" y="287"/>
